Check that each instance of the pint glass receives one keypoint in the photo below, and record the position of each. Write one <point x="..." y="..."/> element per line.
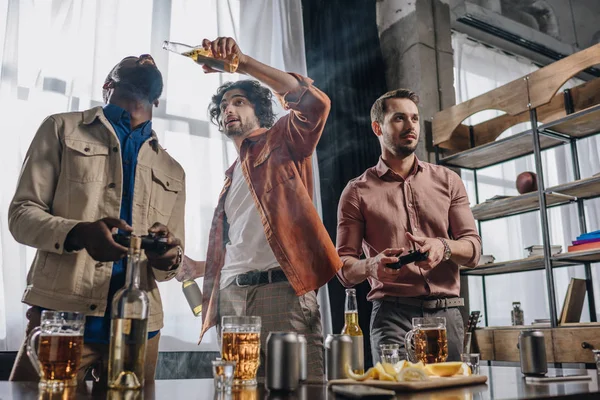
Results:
<point x="240" y="342"/>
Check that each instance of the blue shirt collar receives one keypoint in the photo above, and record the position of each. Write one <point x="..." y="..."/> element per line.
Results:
<point x="119" y="116"/>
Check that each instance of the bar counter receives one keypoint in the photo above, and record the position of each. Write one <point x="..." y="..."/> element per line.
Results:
<point x="503" y="383"/>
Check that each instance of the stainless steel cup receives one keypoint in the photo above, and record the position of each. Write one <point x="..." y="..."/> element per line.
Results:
<point x="283" y="361"/>
<point x="338" y="354"/>
<point x="532" y="351"/>
<point x="303" y="357"/>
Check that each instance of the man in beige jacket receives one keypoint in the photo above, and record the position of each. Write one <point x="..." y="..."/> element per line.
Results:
<point x="87" y="174"/>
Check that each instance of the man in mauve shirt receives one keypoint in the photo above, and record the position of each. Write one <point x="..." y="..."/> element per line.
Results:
<point x="404" y="204"/>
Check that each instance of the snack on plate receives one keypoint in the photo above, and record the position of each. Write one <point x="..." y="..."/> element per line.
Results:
<point x="405" y="371"/>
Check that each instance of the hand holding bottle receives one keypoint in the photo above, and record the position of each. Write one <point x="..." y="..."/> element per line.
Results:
<point x="190" y="269"/>
<point x="224" y="48"/>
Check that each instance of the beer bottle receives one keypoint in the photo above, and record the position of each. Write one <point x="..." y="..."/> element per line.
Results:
<point x="129" y="327"/>
<point x="204" y="56"/>
<point x="193" y="294"/>
<point x="352" y="329"/>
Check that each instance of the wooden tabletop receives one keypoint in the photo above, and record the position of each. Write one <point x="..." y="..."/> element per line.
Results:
<point x="503" y="383"/>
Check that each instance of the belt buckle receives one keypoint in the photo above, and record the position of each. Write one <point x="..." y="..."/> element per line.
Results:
<point x="237" y="281"/>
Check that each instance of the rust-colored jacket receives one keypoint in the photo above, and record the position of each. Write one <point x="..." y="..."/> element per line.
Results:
<point x="277" y="167"/>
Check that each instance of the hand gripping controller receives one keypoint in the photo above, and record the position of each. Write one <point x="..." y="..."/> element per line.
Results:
<point x="156" y="244"/>
<point x="412" y="256"/>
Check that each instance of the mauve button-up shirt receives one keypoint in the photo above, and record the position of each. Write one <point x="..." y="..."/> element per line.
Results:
<point x="379" y="207"/>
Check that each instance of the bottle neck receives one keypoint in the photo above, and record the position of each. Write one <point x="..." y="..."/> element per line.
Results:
<point x="132" y="277"/>
<point x="351" y="305"/>
<point x="178" y="48"/>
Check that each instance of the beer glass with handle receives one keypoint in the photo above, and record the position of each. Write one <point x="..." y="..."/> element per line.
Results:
<point x="427" y="341"/>
<point x="240" y="342"/>
<point x="58" y="353"/>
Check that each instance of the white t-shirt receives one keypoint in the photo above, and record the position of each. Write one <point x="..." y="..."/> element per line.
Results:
<point x="248" y="249"/>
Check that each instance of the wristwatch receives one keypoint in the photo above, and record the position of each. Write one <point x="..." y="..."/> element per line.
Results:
<point x="447" y="251"/>
<point x="178" y="260"/>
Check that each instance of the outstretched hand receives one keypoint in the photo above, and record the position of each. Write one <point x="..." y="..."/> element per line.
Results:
<point x="223" y="48"/>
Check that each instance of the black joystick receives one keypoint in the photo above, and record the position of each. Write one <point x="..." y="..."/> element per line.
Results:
<point x="150" y="242"/>
<point x="412" y="256"/>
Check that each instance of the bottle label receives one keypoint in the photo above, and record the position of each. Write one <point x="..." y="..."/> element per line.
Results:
<point x="358" y="355"/>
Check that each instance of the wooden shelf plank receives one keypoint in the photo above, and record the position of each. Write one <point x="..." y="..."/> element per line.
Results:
<point x="515" y="205"/>
<point x="582" y="189"/>
<point x="526" y="264"/>
<point x="556" y="195"/>
<point x="579" y="256"/>
<point x="580" y="124"/>
<point x="499" y="151"/>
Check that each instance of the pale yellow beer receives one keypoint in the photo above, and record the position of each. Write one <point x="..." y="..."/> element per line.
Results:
<point x="240" y="342"/>
<point x="431" y="345"/>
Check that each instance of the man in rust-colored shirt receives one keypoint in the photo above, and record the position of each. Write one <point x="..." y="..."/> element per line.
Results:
<point x="404" y="204"/>
<point x="268" y="251"/>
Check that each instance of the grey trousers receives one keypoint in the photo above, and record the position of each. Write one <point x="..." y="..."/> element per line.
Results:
<point x="280" y="310"/>
<point x="390" y="321"/>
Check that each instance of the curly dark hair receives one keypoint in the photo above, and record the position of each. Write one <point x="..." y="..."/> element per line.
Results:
<point x="260" y="97"/>
<point x="378" y="109"/>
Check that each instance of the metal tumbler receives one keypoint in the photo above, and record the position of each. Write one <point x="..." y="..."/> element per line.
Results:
<point x="532" y="351"/>
<point x="338" y="355"/>
<point x="283" y="364"/>
<point x="303" y="357"/>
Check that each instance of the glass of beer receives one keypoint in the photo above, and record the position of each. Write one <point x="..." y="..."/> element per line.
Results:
<point x="240" y="342"/>
<point x="427" y="340"/>
<point x="58" y="353"/>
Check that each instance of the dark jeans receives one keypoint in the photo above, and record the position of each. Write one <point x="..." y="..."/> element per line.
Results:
<point x="390" y="321"/>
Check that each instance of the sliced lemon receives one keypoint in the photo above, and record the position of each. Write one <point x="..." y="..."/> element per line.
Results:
<point x="383" y="374"/>
<point x="358" y="377"/>
<point x="399" y="366"/>
<point x="464" y="370"/>
<point x="389" y="368"/>
<point x="445" y="368"/>
<point x="411" y="374"/>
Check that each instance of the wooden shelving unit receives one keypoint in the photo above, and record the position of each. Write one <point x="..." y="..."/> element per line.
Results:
<point x="556" y="119"/>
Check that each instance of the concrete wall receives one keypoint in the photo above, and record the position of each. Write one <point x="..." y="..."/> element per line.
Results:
<point x="577" y="21"/>
<point x="416" y="45"/>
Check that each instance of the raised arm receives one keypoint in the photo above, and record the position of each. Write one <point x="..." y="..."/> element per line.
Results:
<point x="309" y="107"/>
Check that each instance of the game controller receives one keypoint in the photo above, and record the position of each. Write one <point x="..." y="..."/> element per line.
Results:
<point x="150" y="242"/>
<point x="412" y="256"/>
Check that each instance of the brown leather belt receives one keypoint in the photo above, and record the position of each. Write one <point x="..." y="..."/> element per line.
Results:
<point x="432" y="304"/>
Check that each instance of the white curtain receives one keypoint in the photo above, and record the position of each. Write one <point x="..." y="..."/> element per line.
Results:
<point x="55" y="56"/>
<point x="479" y="69"/>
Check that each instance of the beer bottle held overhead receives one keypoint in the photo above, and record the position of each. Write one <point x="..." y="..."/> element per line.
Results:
<point x="352" y="329"/>
<point x="129" y="327"/>
<point x="204" y="56"/>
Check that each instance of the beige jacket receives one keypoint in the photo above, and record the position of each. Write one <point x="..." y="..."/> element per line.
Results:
<point x="73" y="173"/>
